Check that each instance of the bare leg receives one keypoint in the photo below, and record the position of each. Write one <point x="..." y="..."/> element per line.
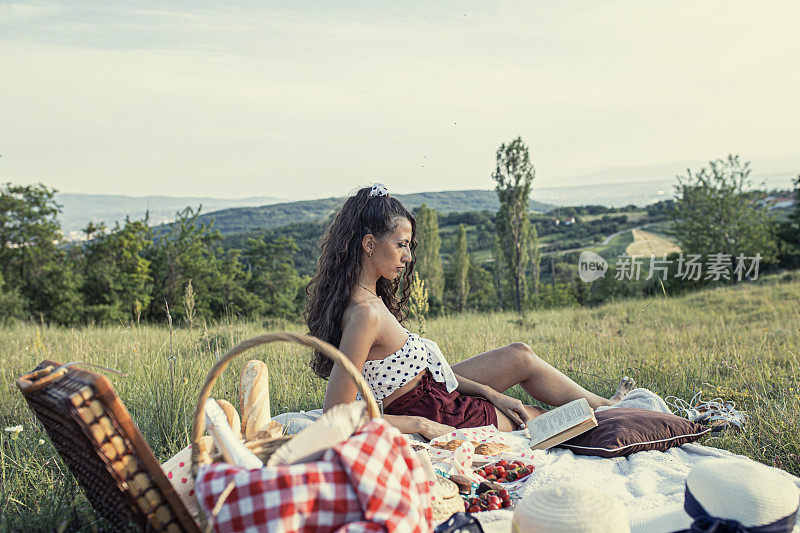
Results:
<point x="502" y="368"/>
<point x="506" y="424"/>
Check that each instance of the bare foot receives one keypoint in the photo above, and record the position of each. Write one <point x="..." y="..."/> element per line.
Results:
<point x="625" y="386"/>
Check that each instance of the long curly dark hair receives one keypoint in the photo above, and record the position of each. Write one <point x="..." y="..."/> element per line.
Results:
<point x="340" y="265"/>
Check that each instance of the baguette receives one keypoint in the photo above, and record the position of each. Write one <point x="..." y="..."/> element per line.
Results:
<point x="233" y="451"/>
<point x="233" y="417"/>
<point x="254" y="395"/>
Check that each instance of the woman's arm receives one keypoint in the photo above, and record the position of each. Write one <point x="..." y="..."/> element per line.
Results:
<point x="405" y="423"/>
<point x="473" y="388"/>
<point x="358" y="336"/>
<point x="511" y="407"/>
<point x="418" y="424"/>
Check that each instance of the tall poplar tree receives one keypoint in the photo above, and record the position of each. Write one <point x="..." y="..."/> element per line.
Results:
<point x="428" y="261"/>
<point x="498" y="272"/>
<point x="536" y="259"/>
<point x="461" y="267"/>
<point x="514" y="174"/>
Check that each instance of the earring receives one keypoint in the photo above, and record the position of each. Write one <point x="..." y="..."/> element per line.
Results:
<point x="370" y="254"/>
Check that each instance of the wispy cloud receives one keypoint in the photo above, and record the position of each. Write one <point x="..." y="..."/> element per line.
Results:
<point x="271" y="98"/>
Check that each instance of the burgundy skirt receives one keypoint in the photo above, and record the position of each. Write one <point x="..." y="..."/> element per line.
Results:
<point x="431" y="400"/>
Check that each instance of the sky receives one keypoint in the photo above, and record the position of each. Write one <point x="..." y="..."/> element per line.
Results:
<point x="313" y="99"/>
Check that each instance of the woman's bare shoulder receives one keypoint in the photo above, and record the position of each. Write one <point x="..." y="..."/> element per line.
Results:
<point x="361" y="315"/>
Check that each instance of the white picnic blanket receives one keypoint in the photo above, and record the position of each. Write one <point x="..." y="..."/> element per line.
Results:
<point x="641" y="481"/>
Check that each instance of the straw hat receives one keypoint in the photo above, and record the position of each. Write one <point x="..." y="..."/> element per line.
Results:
<point x="570" y="508"/>
<point x="729" y="489"/>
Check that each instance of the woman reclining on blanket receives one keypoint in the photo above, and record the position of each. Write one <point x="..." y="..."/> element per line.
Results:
<point x="353" y="304"/>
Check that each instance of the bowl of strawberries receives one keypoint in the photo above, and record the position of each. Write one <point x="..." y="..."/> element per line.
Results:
<point x="504" y="471"/>
<point x="491" y="500"/>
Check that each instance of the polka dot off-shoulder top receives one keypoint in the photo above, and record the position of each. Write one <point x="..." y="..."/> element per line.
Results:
<point x="386" y="375"/>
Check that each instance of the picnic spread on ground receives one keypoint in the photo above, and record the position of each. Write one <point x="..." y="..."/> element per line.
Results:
<point x="349" y="470"/>
<point x="643" y="481"/>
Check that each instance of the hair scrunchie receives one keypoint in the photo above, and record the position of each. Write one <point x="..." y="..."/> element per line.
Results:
<point x="379" y="189"/>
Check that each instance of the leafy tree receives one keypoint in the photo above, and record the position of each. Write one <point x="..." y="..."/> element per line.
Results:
<point x="273" y="279"/>
<point x="536" y="260"/>
<point x="29" y="232"/>
<point x="12" y="304"/>
<point x="461" y="262"/>
<point x="189" y="251"/>
<point x="557" y="295"/>
<point x="482" y="291"/>
<point x="117" y="282"/>
<point x="32" y="264"/>
<point x="498" y="272"/>
<point x="714" y="214"/>
<point x="428" y="261"/>
<point x="789" y="233"/>
<point x="794" y="216"/>
<point x="514" y="173"/>
<point x="55" y="295"/>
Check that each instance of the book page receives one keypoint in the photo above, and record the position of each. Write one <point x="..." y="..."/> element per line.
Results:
<point x="559" y="420"/>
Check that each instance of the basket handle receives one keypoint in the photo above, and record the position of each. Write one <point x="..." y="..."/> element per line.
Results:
<point x="321" y="346"/>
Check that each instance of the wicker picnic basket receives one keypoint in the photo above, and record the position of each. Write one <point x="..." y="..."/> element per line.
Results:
<point x="94" y="434"/>
<point x="264" y="448"/>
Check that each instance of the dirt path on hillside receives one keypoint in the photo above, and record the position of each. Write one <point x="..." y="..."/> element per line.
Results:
<point x="646" y="244"/>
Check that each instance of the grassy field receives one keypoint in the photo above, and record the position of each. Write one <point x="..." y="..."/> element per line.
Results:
<point x="633" y="216"/>
<point x="615" y="247"/>
<point x="737" y="342"/>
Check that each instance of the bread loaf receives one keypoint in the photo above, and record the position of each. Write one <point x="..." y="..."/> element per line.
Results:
<point x="233" y="417"/>
<point x="491" y="448"/>
<point x="233" y="450"/>
<point x="450" y="445"/>
<point x="254" y="395"/>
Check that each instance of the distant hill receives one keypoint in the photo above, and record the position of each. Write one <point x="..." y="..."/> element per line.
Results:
<point x="247" y="219"/>
<point x="773" y="169"/>
<point x="638" y="193"/>
<point x="80" y="209"/>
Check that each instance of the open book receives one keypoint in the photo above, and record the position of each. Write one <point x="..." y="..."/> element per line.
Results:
<point x="560" y="424"/>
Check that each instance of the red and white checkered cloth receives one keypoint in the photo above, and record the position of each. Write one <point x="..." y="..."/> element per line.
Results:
<point x="368" y="483"/>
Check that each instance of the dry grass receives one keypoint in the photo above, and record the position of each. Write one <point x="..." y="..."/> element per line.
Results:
<point x="738" y="342"/>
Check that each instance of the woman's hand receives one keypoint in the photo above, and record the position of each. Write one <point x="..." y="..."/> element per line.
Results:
<point x="512" y="408"/>
<point x="430" y="429"/>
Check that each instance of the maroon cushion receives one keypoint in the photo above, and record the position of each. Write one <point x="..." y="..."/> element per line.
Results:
<point x="622" y="431"/>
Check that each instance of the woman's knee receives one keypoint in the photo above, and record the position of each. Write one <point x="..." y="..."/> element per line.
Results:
<point x="524" y="354"/>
